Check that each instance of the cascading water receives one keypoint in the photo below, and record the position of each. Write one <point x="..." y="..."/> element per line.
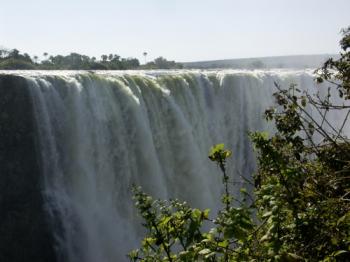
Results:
<point x="99" y="133"/>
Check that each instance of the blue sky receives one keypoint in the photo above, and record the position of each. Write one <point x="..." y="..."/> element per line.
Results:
<point x="182" y="30"/>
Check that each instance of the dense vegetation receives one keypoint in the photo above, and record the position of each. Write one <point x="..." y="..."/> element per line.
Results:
<point x="13" y="59"/>
<point x="300" y="207"/>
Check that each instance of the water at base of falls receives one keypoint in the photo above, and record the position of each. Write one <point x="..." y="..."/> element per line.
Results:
<point x="99" y="133"/>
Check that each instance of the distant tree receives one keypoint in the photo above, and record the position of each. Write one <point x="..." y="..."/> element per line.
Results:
<point x="145" y="56"/>
<point x="104" y="58"/>
<point x="26" y="57"/>
<point x="14" y="64"/>
<point x="14" y="53"/>
<point x="116" y="58"/>
<point x="131" y="63"/>
<point x="162" y="63"/>
<point x="257" y="64"/>
<point x="73" y="61"/>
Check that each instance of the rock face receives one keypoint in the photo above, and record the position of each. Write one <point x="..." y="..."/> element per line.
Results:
<point x="24" y="227"/>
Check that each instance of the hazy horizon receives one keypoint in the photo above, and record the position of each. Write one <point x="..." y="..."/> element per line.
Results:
<point x="183" y="31"/>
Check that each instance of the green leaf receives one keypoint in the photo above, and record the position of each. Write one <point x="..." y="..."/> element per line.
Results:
<point x="205" y="213"/>
<point x="223" y="244"/>
<point x="215" y="149"/>
<point x="218" y="148"/>
<point x="243" y="191"/>
<point x="165" y="221"/>
<point x="334" y="240"/>
<point x="264" y="237"/>
<point x="196" y="214"/>
<point x="341" y="220"/>
<point x="339" y="252"/>
<point x="148" y="241"/>
<point x="209" y="255"/>
<point x="293" y="257"/>
<point x="267" y="214"/>
<point x="204" y="252"/>
<point x="134" y="254"/>
<point x="227" y="154"/>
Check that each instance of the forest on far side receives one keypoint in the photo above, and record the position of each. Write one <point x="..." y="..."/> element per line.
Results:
<point x="13" y="59"/>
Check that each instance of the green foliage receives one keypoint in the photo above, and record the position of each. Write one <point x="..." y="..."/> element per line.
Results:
<point x="219" y="154"/>
<point x="13" y="59"/>
<point x="76" y="61"/>
<point x="256" y="64"/>
<point x="12" y="63"/>
<point x="175" y="230"/>
<point x="301" y="207"/>
<point x="338" y="72"/>
<point x="171" y="224"/>
<point x="162" y="63"/>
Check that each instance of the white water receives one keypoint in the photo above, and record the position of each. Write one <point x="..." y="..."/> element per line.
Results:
<point x="100" y="133"/>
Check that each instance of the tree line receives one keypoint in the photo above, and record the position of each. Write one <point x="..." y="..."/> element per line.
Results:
<point x="15" y="60"/>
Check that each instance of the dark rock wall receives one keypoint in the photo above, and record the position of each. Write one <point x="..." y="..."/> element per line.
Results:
<point x="24" y="229"/>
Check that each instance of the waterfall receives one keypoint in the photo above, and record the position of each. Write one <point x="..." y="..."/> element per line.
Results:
<point x="100" y="133"/>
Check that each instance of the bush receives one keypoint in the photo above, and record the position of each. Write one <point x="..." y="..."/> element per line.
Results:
<point x="15" y="64"/>
<point x="301" y="206"/>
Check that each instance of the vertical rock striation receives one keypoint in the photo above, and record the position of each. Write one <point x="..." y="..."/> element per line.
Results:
<point x="24" y="228"/>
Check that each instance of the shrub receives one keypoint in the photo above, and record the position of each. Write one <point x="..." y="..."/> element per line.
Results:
<point x="301" y="206"/>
